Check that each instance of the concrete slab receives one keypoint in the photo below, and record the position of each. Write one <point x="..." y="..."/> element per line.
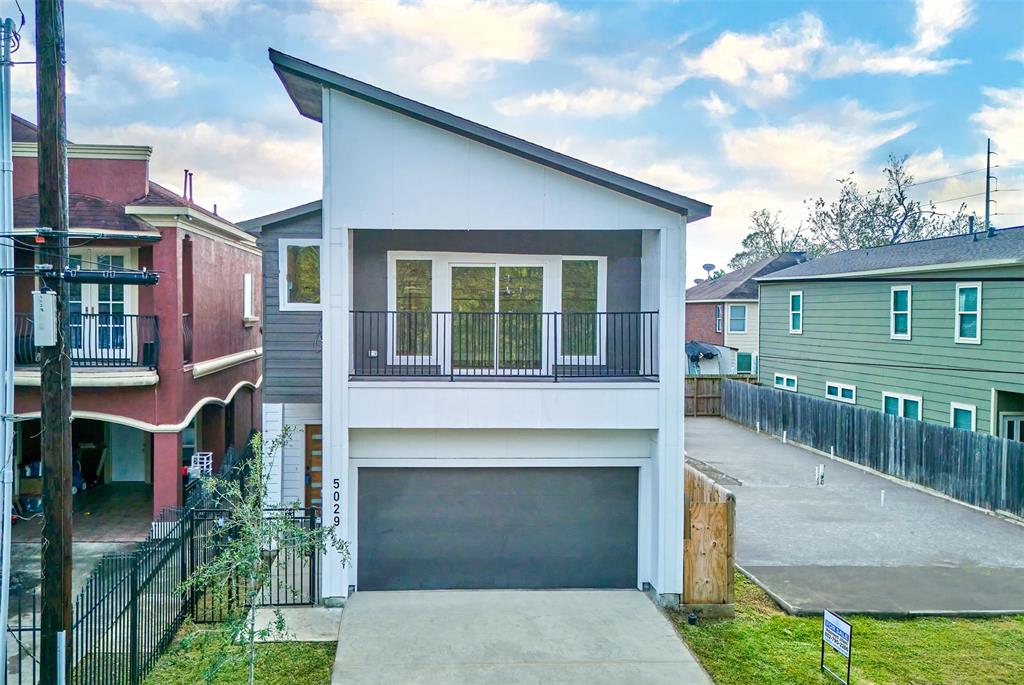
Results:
<point x="837" y="546"/>
<point x="302" y="624"/>
<point x="508" y="636"/>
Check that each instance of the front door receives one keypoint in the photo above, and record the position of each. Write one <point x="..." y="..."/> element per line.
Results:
<point x="1013" y="427"/>
<point x="314" y="465"/>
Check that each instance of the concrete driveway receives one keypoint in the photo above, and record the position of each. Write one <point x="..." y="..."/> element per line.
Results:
<point x="511" y="637"/>
<point x="837" y="546"/>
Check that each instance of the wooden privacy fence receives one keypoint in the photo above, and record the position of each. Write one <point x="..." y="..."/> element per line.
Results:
<point x="703" y="394"/>
<point x="975" y="468"/>
<point x="709" y="545"/>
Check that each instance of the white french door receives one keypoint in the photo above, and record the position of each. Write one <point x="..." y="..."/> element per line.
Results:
<point x="101" y="315"/>
<point x="1013" y="426"/>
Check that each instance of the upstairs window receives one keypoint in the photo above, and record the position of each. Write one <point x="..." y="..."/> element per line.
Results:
<point x="413" y="306"/>
<point x="899" y="312"/>
<point x="299" y="275"/>
<point x="963" y="416"/>
<point x="718" y="318"/>
<point x="796" y="312"/>
<point x="737" y="318"/>
<point x="580" y="321"/>
<point x="968" y="313"/>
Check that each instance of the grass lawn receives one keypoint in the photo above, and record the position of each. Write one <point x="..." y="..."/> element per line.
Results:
<point x="765" y="645"/>
<point x="201" y="656"/>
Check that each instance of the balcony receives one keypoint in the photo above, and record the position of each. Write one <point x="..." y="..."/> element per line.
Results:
<point x="455" y="346"/>
<point x="100" y="341"/>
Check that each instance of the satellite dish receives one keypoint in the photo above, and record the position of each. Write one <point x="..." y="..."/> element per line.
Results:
<point x="698" y="281"/>
<point x="708" y="267"/>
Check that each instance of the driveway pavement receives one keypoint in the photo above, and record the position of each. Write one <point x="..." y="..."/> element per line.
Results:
<point x="558" y="637"/>
<point x="837" y="546"/>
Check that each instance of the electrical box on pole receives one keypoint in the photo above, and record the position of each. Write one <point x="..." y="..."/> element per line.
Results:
<point x="44" y="318"/>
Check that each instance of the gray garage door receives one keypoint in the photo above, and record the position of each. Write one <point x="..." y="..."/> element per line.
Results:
<point x="448" y="528"/>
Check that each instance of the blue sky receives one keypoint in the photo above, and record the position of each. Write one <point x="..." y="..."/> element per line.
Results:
<point x="741" y="104"/>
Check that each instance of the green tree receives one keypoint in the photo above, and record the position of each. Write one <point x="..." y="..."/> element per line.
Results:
<point x="767" y="237"/>
<point x="247" y="539"/>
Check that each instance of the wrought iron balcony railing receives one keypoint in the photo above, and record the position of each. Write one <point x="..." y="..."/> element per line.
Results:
<point x="97" y="340"/>
<point x="457" y="345"/>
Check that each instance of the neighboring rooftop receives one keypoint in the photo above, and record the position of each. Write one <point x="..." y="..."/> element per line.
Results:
<point x="23" y="130"/>
<point x="1004" y="246"/>
<point x="84" y="211"/>
<point x="256" y="224"/>
<point x="740" y="284"/>
<point x="305" y="81"/>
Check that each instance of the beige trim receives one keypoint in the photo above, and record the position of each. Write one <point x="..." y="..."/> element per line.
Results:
<point x="80" y="230"/>
<point x="89" y="151"/>
<point x="200" y="221"/>
<point x="106" y="378"/>
<point x="205" y="368"/>
<point x="926" y="268"/>
<point x="151" y="427"/>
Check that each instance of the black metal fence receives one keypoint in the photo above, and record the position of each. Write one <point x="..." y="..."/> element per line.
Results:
<point x="980" y="469"/>
<point x="458" y="345"/>
<point x="97" y="340"/>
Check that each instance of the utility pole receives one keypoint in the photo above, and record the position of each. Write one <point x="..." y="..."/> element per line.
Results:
<point x="55" y="364"/>
<point x="988" y="184"/>
<point x="6" y="332"/>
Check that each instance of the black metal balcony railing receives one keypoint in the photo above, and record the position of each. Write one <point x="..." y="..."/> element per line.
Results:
<point x="97" y="340"/>
<point x="456" y="345"/>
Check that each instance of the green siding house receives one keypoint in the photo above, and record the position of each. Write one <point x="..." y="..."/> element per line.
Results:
<point x="930" y="330"/>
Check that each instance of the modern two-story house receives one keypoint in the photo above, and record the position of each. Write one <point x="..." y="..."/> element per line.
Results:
<point x="478" y="341"/>
<point x="930" y="330"/>
<point x="723" y="311"/>
<point x="157" y="372"/>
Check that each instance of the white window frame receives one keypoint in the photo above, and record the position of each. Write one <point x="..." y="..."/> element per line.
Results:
<point x="442" y="263"/>
<point x="839" y="389"/>
<point x="248" y="303"/>
<point x="785" y="377"/>
<point x="753" y="364"/>
<point x="728" y="326"/>
<point x="956" y="318"/>
<point x="282" y="277"/>
<point x="719" y="317"/>
<point x="800" y="330"/>
<point x="953" y="406"/>
<point x="909" y="289"/>
<point x="903" y="400"/>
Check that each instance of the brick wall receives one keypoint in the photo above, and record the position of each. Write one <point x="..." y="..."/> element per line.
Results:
<point x="700" y="323"/>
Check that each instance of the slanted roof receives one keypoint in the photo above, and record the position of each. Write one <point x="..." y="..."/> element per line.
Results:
<point x="23" y="130"/>
<point x="741" y="284"/>
<point x="305" y="81"/>
<point x="84" y="212"/>
<point x="1004" y="247"/>
<point x="256" y="224"/>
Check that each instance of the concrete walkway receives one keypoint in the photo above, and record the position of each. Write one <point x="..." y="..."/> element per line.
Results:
<point x="836" y="546"/>
<point x="561" y="637"/>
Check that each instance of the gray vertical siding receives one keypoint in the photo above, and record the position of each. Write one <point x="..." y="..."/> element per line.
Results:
<point x="292" y="358"/>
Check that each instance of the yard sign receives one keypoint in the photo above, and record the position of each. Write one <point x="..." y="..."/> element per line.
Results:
<point x="837" y="634"/>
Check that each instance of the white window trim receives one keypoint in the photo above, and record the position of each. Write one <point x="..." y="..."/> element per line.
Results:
<point x="719" y="318"/>
<point x="728" y="317"/>
<point x="953" y="406"/>
<point x="442" y="263"/>
<point x="785" y="377"/>
<point x="796" y="331"/>
<point x="892" y="312"/>
<point x="248" y="301"/>
<point x="840" y="387"/>
<point x="903" y="400"/>
<point x="956" y="318"/>
<point x="282" y="277"/>
<point x="753" y="365"/>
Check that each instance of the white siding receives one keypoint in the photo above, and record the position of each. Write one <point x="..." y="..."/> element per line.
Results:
<point x="293" y="459"/>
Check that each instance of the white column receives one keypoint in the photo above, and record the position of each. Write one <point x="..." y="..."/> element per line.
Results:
<point x="273" y="424"/>
<point x="334" y="288"/>
<point x="668" y="570"/>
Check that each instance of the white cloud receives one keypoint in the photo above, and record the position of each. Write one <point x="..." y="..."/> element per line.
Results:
<point x="937" y="20"/>
<point x="763" y="63"/>
<point x="716" y="106"/>
<point x="813" y="149"/>
<point x="246" y="169"/>
<point x="1002" y="120"/>
<point x="1016" y="55"/>
<point x="448" y="43"/>
<point x="194" y="14"/>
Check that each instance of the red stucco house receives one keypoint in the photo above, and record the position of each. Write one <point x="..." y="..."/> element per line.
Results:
<point x="157" y="372"/>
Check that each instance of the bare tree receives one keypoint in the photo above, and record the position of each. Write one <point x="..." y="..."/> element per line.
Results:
<point x="767" y="237"/>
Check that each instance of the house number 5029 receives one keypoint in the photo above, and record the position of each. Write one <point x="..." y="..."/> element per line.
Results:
<point x="336" y="501"/>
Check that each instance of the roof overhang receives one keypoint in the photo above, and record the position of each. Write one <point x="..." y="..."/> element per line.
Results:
<point x="256" y="224"/>
<point x="98" y="233"/>
<point x="305" y="82"/>
<point x="896" y="272"/>
<point x="87" y="151"/>
<point x="153" y="214"/>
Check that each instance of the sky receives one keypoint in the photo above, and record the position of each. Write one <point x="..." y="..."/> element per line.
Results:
<point x="743" y="105"/>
